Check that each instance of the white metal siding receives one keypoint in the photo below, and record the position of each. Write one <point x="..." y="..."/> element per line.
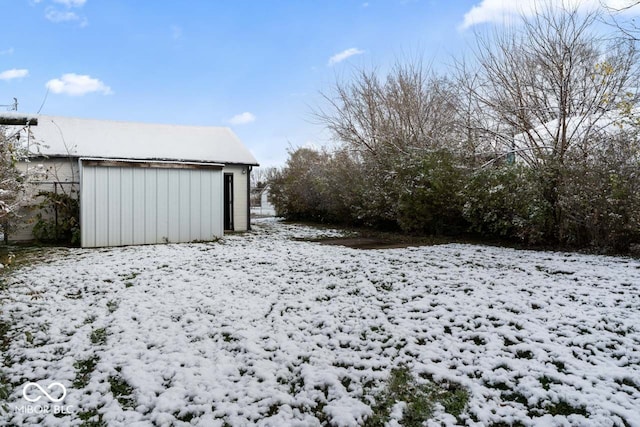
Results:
<point x="240" y="200"/>
<point x="133" y="205"/>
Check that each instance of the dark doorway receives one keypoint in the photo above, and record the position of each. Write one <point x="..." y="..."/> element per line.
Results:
<point x="228" y="201"/>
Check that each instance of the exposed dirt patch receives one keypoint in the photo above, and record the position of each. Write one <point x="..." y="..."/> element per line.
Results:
<point x="369" y="243"/>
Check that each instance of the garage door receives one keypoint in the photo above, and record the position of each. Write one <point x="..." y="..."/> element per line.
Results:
<point x="132" y="203"/>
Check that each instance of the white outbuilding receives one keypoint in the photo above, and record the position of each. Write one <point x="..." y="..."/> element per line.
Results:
<point x="141" y="183"/>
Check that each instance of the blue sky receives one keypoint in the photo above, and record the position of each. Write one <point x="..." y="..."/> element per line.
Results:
<point x="254" y="65"/>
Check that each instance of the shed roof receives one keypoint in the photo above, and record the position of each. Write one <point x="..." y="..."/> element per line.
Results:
<point x="68" y="136"/>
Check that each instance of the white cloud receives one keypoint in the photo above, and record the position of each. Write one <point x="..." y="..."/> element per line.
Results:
<point x="7" y="51"/>
<point x="57" y="16"/>
<point x="77" y="85"/>
<point x="242" y="118"/>
<point x="339" y="57"/>
<point x="502" y="11"/>
<point x="71" y="3"/>
<point x="13" y="74"/>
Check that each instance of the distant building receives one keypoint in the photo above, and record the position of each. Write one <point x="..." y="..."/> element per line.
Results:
<point x="260" y="204"/>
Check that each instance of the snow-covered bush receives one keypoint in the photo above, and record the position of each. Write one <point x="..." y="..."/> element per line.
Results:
<point x="12" y="180"/>
<point x="507" y="202"/>
<point x="600" y="198"/>
<point x="430" y="196"/>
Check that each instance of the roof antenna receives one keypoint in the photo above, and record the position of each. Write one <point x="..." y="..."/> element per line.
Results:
<point x="13" y="106"/>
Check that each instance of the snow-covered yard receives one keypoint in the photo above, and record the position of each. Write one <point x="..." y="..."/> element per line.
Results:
<point x="266" y="329"/>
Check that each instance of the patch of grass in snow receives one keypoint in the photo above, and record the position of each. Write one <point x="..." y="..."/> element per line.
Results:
<point x="184" y="417"/>
<point x="91" y="418"/>
<point x="5" y="340"/>
<point x="130" y="276"/>
<point x="420" y="399"/>
<point x="505" y="424"/>
<point x="565" y="408"/>
<point x="228" y="337"/>
<point x="524" y="354"/>
<point x="562" y="407"/>
<point x="74" y="295"/>
<point x="84" y="368"/>
<point x="99" y="336"/>
<point x="123" y="392"/>
<point x="112" y="305"/>
<point x="546" y="381"/>
<point x="628" y="382"/>
<point x="515" y="397"/>
<point x="560" y="366"/>
<point x="318" y="409"/>
<point x="5" y="385"/>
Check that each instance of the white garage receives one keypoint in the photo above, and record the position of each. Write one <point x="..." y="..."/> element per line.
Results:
<point x="132" y="203"/>
<point x="141" y="183"/>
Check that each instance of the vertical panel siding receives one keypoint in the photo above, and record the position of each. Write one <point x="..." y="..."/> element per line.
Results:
<point x="195" y="220"/>
<point x="184" y="205"/>
<point x="113" y="205"/>
<point x="126" y="206"/>
<point x="151" y="207"/>
<point x="88" y="209"/>
<point x="173" y="201"/>
<point x="162" y="213"/>
<point x="205" y="205"/>
<point x="102" y="202"/>
<point x="217" y="209"/>
<point x="139" y="206"/>
<point x="123" y="205"/>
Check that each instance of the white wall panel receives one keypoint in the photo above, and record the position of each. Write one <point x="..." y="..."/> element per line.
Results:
<point x="126" y="206"/>
<point x="184" y="204"/>
<point x="240" y="201"/>
<point x="162" y="204"/>
<point x="89" y="205"/>
<point x="206" y="187"/>
<point x="101" y="212"/>
<point x="195" y="225"/>
<point x="173" y="216"/>
<point x="150" y="190"/>
<point x="113" y="206"/>
<point x="137" y="205"/>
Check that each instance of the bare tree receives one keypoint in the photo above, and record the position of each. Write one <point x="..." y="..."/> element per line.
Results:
<point x="261" y="176"/>
<point x="388" y="125"/>
<point x="554" y="91"/>
<point x="619" y="18"/>
<point x="381" y="119"/>
<point x="553" y="82"/>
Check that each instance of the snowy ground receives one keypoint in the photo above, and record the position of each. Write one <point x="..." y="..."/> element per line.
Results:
<point x="265" y="329"/>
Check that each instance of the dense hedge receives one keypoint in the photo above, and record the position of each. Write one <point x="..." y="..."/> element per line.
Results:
<point x="586" y="203"/>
